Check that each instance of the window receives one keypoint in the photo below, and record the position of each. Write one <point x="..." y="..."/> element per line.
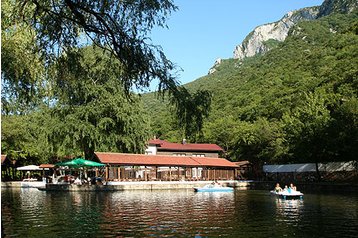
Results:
<point x="179" y="154"/>
<point x="198" y="155"/>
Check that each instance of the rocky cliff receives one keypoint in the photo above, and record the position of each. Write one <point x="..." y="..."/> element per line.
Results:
<point x="264" y="37"/>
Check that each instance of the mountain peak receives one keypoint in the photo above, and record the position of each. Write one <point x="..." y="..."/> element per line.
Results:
<point x="266" y="36"/>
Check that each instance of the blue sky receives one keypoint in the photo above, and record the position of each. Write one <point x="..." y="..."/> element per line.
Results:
<point x="203" y="30"/>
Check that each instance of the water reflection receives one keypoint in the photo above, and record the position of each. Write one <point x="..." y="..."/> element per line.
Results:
<point x="32" y="213"/>
<point x="289" y="210"/>
<point x="168" y="212"/>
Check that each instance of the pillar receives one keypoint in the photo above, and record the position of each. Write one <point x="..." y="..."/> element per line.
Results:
<point x="107" y="173"/>
<point x="170" y="173"/>
<point x="145" y="173"/>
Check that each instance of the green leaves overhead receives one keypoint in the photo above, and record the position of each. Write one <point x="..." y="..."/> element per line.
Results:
<point x="21" y="65"/>
<point x="119" y="27"/>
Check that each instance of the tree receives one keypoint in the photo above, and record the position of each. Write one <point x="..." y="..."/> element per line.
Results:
<point x="308" y="128"/>
<point x="92" y="110"/>
<point x="118" y="27"/>
<point x="344" y="130"/>
<point x="222" y="131"/>
<point x="24" y="138"/>
<point x="22" y="70"/>
<point x="191" y="109"/>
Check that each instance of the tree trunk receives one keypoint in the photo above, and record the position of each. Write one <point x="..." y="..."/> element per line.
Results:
<point x="89" y="152"/>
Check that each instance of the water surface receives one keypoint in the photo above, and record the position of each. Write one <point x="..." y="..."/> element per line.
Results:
<point x="171" y="213"/>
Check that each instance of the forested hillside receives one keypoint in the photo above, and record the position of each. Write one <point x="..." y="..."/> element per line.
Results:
<point x="296" y="103"/>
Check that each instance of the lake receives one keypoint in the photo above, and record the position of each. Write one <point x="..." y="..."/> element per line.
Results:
<point x="175" y="213"/>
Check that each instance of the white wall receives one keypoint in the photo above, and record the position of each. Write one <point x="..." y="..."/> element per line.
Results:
<point x="151" y="150"/>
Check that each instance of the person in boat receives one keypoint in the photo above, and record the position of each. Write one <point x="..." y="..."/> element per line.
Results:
<point x="293" y="187"/>
<point x="285" y="189"/>
<point x="278" y="188"/>
<point x="215" y="183"/>
<point x="77" y="181"/>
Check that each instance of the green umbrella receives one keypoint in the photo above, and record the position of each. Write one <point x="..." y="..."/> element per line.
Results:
<point x="79" y="162"/>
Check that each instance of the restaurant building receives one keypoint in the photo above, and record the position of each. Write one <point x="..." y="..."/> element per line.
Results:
<point x="162" y="147"/>
<point x="166" y="161"/>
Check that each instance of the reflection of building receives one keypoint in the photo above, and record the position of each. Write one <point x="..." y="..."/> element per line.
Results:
<point x="165" y="167"/>
<point x="162" y="147"/>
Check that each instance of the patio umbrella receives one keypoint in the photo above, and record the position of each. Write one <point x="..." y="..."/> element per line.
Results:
<point x="80" y="162"/>
<point x="29" y="167"/>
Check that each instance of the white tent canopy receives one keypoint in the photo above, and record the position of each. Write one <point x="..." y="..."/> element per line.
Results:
<point x="310" y="167"/>
<point x="284" y="168"/>
<point x="29" y="168"/>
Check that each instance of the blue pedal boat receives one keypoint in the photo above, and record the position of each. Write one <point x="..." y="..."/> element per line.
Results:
<point x="288" y="194"/>
<point x="214" y="188"/>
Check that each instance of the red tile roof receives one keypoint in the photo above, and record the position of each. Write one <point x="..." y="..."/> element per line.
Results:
<point x="165" y="145"/>
<point x="162" y="160"/>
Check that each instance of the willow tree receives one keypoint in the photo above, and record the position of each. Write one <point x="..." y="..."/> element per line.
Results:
<point x="120" y="28"/>
<point x="91" y="108"/>
<point x="22" y="68"/>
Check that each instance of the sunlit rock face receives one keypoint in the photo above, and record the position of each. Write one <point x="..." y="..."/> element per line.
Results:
<point x="264" y="37"/>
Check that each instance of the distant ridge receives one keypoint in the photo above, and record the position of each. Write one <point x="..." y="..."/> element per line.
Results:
<point x="265" y="37"/>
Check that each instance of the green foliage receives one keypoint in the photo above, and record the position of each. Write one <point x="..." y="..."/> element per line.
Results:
<point x="22" y="71"/>
<point x="48" y="63"/>
<point x="24" y="138"/>
<point x="93" y="111"/>
<point x="191" y="110"/>
<point x="306" y="127"/>
<point x="119" y="27"/>
<point x="271" y="43"/>
<point x="296" y="103"/>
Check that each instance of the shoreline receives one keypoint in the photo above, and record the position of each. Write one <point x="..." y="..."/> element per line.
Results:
<point x="141" y="185"/>
<point x="173" y="185"/>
